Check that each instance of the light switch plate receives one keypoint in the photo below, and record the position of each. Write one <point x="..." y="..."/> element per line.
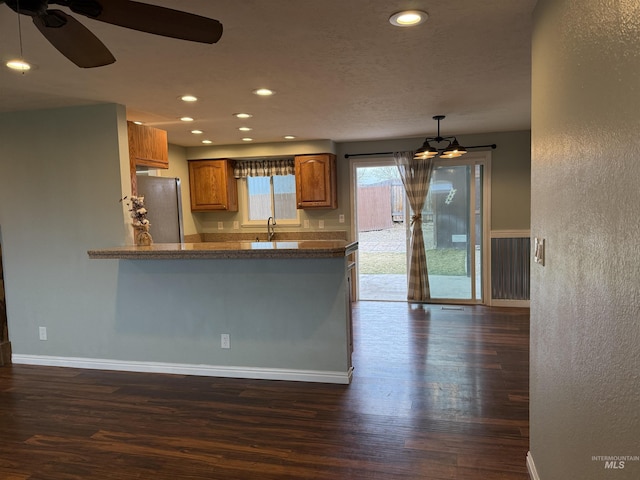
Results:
<point x="220" y="225"/>
<point x="538" y="252"/>
<point x="341" y="218"/>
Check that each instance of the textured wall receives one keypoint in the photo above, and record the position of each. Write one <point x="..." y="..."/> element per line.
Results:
<point x="585" y="302"/>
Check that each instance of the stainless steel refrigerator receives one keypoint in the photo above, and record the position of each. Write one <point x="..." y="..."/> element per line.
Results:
<point x="163" y="202"/>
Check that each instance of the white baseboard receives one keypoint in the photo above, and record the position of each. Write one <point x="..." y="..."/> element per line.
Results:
<point x="533" y="473"/>
<point x="187" y="369"/>
<point x="510" y="303"/>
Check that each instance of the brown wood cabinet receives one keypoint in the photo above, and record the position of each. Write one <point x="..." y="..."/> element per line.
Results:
<point x="316" y="184"/>
<point x="148" y="146"/>
<point x="212" y="185"/>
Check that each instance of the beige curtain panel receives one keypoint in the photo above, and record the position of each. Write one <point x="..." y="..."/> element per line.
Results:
<point x="416" y="175"/>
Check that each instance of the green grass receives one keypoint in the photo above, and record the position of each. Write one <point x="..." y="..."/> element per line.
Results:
<point x="439" y="262"/>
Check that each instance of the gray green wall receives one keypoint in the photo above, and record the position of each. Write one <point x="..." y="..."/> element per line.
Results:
<point x="60" y="186"/>
<point x="510" y="172"/>
<point x="62" y="174"/>
<point x="585" y="301"/>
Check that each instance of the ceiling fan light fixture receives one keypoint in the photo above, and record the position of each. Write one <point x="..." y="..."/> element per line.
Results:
<point x="408" y="18"/>
<point x="263" y="92"/>
<point x="18" y="65"/>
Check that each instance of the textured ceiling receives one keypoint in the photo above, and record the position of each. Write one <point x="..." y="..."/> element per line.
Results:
<point x="340" y="69"/>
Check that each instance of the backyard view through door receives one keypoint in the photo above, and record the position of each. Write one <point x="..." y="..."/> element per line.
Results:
<point x="452" y="227"/>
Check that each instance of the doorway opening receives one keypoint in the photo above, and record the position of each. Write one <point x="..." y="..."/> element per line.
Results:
<point x="381" y="231"/>
<point x="455" y="229"/>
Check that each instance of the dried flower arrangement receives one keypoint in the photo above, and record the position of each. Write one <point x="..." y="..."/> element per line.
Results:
<point x="140" y="222"/>
<point x="138" y="210"/>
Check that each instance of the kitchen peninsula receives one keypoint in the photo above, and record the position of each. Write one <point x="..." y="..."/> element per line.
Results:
<point x="285" y="306"/>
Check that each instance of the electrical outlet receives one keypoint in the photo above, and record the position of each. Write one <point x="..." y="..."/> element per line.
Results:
<point x="320" y="223"/>
<point x="43" y="333"/>
<point x="220" y="225"/>
<point x="341" y="218"/>
<point x="236" y="225"/>
<point x="225" y="342"/>
<point x="306" y="224"/>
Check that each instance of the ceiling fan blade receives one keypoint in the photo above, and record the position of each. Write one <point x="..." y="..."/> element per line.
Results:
<point x="73" y="39"/>
<point x="153" y="19"/>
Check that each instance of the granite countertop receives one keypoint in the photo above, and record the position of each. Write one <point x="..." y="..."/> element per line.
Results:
<point x="229" y="249"/>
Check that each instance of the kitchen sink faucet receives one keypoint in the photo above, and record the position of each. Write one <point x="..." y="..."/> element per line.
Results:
<point x="271" y="223"/>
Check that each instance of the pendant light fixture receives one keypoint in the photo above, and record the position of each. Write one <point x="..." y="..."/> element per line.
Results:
<point x="453" y="150"/>
<point x="19" y="64"/>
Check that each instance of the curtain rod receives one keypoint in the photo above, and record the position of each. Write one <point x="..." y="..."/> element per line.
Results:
<point x="349" y="155"/>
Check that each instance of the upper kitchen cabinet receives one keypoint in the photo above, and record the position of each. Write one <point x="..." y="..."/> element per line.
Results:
<point x="212" y="185"/>
<point x="148" y="146"/>
<point x="316" y="185"/>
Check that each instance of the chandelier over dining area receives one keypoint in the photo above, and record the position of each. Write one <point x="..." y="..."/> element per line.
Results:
<point x="427" y="150"/>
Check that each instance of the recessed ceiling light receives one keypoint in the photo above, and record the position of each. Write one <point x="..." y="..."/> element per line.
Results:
<point x="137" y="122"/>
<point x="245" y="129"/>
<point x="408" y="18"/>
<point x="197" y="132"/>
<point x="187" y="119"/>
<point x="242" y="115"/>
<point x="189" y="98"/>
<point x="19" y="65"/>
<point x="264" y="92"/>
<point x="289" y="137"/>
<point x="207" y="141"/>
<point x="247" y="139"/>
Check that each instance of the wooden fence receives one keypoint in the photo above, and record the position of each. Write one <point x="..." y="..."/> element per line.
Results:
<point x="379" y="206"/>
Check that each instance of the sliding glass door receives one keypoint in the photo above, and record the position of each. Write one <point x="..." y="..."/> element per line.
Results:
<point x="454" y="219"/>
<point x="455" y="228"/>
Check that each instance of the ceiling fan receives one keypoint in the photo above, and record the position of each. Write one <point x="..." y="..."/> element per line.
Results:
<point x="83" y="48"/>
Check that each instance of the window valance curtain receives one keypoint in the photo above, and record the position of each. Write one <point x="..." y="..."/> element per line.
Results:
<point x="263" y="168"/>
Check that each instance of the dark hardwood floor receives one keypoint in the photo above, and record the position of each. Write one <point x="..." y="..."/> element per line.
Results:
<point x="438" y="393"/>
